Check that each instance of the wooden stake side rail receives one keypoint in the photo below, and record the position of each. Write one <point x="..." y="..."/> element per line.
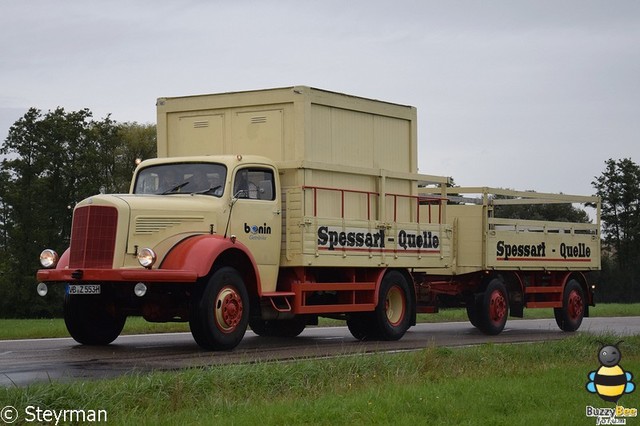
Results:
<point x="418" y="199"/>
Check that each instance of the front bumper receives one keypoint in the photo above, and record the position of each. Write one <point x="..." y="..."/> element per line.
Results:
<point x="116" y="275"/>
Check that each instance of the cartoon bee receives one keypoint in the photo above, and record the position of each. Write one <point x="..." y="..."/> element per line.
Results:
<point x="610" y="381"/>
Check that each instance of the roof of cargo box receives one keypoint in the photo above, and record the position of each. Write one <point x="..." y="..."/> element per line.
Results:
<point x="291" y="125"/>
<point x="296" y="89"/>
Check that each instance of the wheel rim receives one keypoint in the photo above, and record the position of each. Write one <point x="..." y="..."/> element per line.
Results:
<point x="395" y="305"/>
<point x="497" y="307"/>
<point x="228" y="309"/>
<point x="575" y="306"/>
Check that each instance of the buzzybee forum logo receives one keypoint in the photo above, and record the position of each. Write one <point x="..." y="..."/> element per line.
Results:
<point x="610" y="382"/>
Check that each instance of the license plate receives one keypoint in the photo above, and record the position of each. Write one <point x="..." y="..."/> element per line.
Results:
<point x="83" y="289"/>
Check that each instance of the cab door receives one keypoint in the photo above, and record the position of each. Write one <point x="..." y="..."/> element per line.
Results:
<point x="256" y="218"/>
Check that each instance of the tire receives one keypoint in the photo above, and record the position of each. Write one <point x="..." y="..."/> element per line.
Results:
<point x="392" y="316"/>
<point x="278" y="328"/>
<point x="361" y="325"/>
<point x="89" y="320"/>
<point x="569" y="317"/>
<point x="473" y="312"/>
<point x="494" y="308"/>
<point x="220" y="314"/>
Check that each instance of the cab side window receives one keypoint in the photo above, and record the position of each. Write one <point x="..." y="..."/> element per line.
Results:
<point x="254" y="184"/>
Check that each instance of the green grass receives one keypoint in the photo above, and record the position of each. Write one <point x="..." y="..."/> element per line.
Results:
<point x="522" y="384"/>
<point x="44" y="328"/>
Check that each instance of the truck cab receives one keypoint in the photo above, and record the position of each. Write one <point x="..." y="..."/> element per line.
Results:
<point x="148" y="252"/>
<point x="232" y="196"/>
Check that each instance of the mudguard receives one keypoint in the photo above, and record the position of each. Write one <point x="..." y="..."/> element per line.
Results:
<point x="199" y="253"/>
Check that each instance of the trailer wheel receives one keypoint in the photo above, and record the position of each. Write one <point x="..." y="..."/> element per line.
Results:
<point x="89" y="321"/>
<point x="473" y="312"/>
<point x="569" y="317"/>
<point x="495" y="308"/>
<point x="278" y="328"/>
<point x="392" y="314"/>
<point x="220" y="314"/>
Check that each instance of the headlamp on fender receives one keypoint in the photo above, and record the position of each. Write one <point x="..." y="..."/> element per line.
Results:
<point x="147" y="257"/>
<point x="48" y="258"/>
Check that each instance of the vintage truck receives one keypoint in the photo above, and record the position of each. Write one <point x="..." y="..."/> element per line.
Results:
<point x="268" y="209"/>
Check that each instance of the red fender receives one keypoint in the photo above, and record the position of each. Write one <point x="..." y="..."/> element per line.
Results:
<point x="200" y="252"/>
<point x="380" y="275"/>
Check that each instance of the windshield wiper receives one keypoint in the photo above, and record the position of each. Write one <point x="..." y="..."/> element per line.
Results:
<point x="211" y="190"/>
<point x="175" y="188"/>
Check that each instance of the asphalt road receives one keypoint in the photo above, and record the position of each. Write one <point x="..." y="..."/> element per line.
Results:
<point x="27" y="361"/>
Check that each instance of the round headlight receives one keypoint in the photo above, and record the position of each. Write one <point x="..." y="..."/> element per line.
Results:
<point x="48" y="258"/>
<point x="147" y="257"/>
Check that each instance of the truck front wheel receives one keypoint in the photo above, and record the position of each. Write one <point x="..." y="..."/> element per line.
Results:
<point x="569" y="317"/>
<point x="220" y="314"/>
<point x="89" y="321"/>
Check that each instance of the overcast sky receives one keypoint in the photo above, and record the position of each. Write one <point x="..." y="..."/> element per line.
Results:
<point x="520" y="94"/>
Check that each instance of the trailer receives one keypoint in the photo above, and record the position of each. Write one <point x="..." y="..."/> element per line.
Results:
<point x="268" y="209"/>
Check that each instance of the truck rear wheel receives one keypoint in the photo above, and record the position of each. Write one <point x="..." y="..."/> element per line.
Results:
<point x="569" y="317"/>
<point x="393" y="314"/>
<point x="494" y="308"/>
<point x="89" y="321"/>
<point x="220" y="315"/>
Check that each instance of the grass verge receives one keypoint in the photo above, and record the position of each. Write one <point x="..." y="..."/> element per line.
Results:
<point x="542" y="383"/>
<point x="46" y="328"/>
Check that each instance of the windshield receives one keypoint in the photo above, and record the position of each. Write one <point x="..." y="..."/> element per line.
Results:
<point x="181" y="178"/>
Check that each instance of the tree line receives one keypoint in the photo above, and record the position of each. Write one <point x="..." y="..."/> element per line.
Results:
<point x="619" y="188"/>
<point x="52" y="160"/>
<point x="56" y="158"/>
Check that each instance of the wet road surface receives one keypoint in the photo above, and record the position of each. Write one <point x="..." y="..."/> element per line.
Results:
<point x="27" y="361"/>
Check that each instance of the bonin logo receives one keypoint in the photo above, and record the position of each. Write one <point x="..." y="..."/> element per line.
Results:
<point x="257" y="232"/>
